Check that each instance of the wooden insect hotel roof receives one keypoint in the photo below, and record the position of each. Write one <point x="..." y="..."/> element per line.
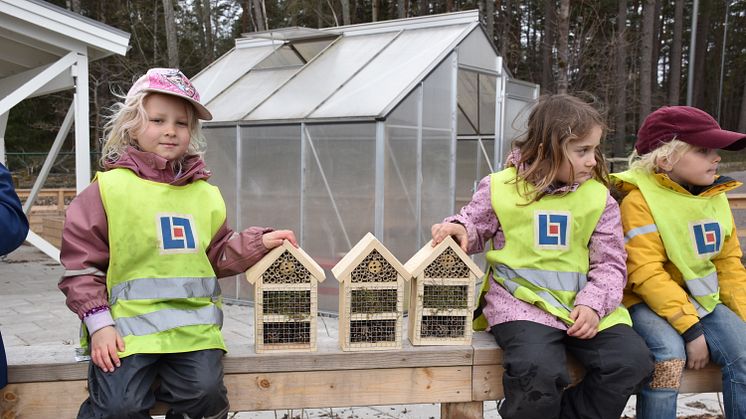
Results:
<point x="427" y="254"/>
<point x="256" y="271"/>
<point x="363" y="248"/>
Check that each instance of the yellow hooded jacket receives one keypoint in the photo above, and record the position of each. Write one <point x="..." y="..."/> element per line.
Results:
<point x="653" y="278"/>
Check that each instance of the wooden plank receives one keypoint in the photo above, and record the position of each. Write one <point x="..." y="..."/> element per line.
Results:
<point x="272" y="391"/>
<point x="471" y="410"/>
<point x="706" y="380"/>
<point x="487" y="383"/>
<point x="318" y="389"/>
<point x="737" y="200"/>
<point x="56" y="362"/>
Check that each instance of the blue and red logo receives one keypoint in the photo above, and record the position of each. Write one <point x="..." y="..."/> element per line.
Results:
<point x="176" y="233"/>
<point x="551" y="229"/>
<point x="707" y="237"/>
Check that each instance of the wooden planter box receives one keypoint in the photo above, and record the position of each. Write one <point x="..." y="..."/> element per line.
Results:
<point x="286" y="300"/>
<point x="442" y="295"/>
<point x="371" y="297"/>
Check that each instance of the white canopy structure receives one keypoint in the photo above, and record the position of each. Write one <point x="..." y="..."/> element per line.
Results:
<point x="46" y="49"/>
<point x="381" y="127"/>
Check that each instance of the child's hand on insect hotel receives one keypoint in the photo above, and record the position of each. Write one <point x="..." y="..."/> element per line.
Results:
<point x="275" y="238"/>
<point x="443" y="230"/>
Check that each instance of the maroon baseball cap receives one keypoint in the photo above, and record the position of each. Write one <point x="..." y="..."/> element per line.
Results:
<point x="687" y="124"/>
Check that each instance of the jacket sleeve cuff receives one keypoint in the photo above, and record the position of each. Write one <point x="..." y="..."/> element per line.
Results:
<point x="98" y="320"/>
<point x="693" y="332"/>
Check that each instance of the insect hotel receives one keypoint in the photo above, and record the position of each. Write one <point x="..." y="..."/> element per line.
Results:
<point x="442" y="294"/>
<point x="286" y="300"/>
<point x="371" y="297"/>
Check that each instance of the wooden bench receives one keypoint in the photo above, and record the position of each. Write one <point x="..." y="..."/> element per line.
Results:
<point x="460" y="378"/>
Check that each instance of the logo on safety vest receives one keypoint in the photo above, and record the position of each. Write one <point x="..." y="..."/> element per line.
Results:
<point x="177" y="233"/>
<point x="552" y="229"/>
<point x="707" y="237"/>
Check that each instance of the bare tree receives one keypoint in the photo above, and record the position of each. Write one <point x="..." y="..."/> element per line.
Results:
<point x="374" y="10"/>
<point x="170" y="26"/>
<point x="620" y="81"/>
<point x="259" y="17"/>
<point x="646" y="57"/>
<point x="547" y="44"/>
<point x="674" y="77"/>
<point x="702" y="41"/>
<point x="401" y="8"/>
<point x="489" y="13"/>
<point x="207" y="22"/>
<point x="563" y="33"/>
<point x="346" y="12"/>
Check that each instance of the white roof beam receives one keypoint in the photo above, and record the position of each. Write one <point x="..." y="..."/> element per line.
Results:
<point x="31" y="85"/>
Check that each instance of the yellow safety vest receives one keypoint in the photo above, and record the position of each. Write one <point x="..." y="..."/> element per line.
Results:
<point x="693" y="229"/>
<point x="545" y="259"/>
<point x="163" y="293"/>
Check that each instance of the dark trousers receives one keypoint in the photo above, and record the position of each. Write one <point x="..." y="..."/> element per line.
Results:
<point x="191" y="383"/>
<point x="535" y="380"/>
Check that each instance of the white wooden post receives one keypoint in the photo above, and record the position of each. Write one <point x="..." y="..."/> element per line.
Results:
<point x="82" y="133"/>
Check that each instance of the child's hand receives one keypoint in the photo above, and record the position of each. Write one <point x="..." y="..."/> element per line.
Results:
<point x="104" y="345"/>
<point x="275" y="238"/>
<point x="443" y="230"/>
<point x="697" y="354"/>
<point x="586" y="322"/>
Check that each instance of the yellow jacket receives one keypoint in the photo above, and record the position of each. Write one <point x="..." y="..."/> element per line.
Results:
<point x="654" y="279"/>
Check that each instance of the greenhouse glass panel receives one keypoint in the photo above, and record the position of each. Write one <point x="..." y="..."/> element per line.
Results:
<point x="392" y="73"/>
<point x="400" y="194"/>
<point x="282" y="57"/>
<point x="338" y="195"/>
<point x="321" y="77"/>
<point x="516" y="116"/>
<point x="436" y="177"/>
<point x="437" y="96"/>
<point x="270" y="173"/>
<point x="476" y="51"/>
<point x="487" y="91"/>
<point x="309" y="49"/>
<point x="220" y="158"/>
<point x="468" y="101"/>
<point x="229" y="68"/>
<point x="437" y="138"/>
<point x="406" y="113"/>
<point x="247" y="93"/>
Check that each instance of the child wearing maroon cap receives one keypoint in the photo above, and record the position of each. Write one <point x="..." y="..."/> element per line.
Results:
<point x="686" y="290"/>
<point x="143" y="247"/>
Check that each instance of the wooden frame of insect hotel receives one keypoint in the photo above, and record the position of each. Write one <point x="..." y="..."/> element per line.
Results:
<point x="371" y="297"/>
<point x="286" y="300"/>
<point x="442" y="294"/>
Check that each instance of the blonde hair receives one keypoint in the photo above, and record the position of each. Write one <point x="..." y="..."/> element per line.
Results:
<point x="129" y="116"/>
<point x="554" y="122"/>
<point x="670" y="151"/>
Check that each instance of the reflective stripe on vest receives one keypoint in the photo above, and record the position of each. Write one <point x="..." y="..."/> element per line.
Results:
<point x="162" y="320"/>
<point x="650" y="228"/>
<point x="165" y="288"/>
<point x="692" y="228"/>
<point x="560" y="281"/>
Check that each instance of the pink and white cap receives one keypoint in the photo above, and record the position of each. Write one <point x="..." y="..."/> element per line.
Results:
<point x="170" y="81"/>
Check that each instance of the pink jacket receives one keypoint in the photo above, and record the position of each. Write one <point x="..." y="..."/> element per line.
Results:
<point x="85" y="239"/>
<point x="606" y="277"/>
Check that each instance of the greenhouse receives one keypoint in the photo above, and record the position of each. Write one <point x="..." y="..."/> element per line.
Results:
<point x="381" y="127"/>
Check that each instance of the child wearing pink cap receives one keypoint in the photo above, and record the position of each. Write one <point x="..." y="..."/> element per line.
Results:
<point x="686" y="290"/>
<point x="143" y="247"/>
